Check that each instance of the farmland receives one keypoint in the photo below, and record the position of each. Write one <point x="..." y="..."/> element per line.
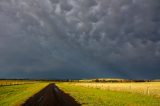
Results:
<point x="14" y="82"/>
<point x="145" y="88"/>
<point x="97" y="94"/>
<point x="85" y="93"/>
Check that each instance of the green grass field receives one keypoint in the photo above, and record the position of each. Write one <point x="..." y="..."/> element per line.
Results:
<point x="99" y="97"/>
<point x="18" y="94"/>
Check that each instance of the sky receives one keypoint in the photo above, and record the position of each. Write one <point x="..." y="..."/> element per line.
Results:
<point x="77" y="39"/>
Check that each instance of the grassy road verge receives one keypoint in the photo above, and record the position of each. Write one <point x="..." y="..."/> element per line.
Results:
<point x="99" y="97"/>
<point x="18" y="94"/>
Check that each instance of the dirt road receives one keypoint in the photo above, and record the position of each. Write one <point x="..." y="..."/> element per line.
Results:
<point x="51" y="96"/>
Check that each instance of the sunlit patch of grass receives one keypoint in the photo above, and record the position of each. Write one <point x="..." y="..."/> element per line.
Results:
<point x="99" y="97"/>
<point x="18" y="94"/>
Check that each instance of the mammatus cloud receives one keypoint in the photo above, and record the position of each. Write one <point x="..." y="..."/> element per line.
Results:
<point x="80" y="38"/>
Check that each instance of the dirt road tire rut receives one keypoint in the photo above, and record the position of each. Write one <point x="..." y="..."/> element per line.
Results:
<point x="51" y="96"/>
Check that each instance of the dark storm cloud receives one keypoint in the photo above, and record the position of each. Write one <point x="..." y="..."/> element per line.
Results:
<point x="80" y="38"/>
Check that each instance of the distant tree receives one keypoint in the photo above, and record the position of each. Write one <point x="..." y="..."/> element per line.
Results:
<point x="97" y="80"/>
